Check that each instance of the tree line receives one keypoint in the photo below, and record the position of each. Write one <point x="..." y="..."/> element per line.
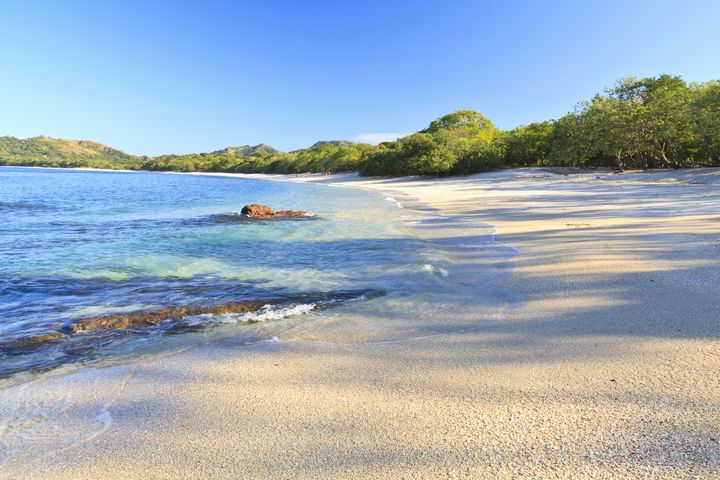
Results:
<point x="660" y="122"/>
<point x="654" y="122"/>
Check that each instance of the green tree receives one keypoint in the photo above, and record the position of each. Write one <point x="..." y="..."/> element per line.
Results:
<point x="610" y="129"/>
<point x="528" y="144"/>
<point x="705" y="115"/>
<point x="664" y="123"/>
<point x="569" y="142"/>
<point x="461" y="119"/>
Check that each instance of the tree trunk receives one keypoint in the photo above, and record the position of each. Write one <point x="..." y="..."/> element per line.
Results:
<point x="618" y="159"/>
<point x="663" y="152"/>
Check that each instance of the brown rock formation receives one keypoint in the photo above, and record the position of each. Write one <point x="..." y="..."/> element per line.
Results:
<point x="153" y="317"/>
<point x="263" y="211"/>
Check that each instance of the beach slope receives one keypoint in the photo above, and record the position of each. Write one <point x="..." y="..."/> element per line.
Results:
<point x="606" y="367"/>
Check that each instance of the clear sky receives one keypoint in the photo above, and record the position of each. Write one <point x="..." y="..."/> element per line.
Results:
<point x="157" y="77"/>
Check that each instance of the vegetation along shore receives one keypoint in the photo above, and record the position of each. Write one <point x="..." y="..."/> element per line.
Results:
<point x="655" y="122"/>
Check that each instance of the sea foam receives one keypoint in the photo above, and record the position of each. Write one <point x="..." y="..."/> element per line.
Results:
<point x="266" y="313"/>
<point x="432" y="270"/>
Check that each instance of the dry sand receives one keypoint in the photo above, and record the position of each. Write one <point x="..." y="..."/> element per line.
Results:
<point x="609" y="368"/>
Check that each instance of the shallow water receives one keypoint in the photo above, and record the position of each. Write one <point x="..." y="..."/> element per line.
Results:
<point x="369" y="268"/>
<point x="77" y="244"/>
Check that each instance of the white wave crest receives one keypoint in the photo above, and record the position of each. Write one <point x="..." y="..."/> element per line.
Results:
<point x="268" y="312"/>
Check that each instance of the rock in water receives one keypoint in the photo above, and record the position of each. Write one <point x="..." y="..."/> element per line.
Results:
<point x="153" y="317"/>
<point x="257" y="211"/>
<point x="263" y="211"/>
<point x="28" y="344"/>
<point x="292" y="214"/>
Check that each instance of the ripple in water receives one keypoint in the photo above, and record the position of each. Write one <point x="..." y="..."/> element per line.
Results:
<point x="80" y="244"/>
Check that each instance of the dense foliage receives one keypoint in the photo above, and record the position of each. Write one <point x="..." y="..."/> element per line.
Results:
<point x="647" y="123"/>
<point x="660" y="122"/>
<point x="460" y="142"/>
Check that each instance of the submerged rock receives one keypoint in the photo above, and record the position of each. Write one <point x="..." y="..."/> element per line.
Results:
<point x="175" y="318"/>
<point x="153" y="317"/>
<point x="44" y="337"/>
<point x="32" y="342"/>
<point x="120" y="321"/>
<point x="90" y="337"/>
<point x="263" y="211"/>
<point x="292" y="213"/>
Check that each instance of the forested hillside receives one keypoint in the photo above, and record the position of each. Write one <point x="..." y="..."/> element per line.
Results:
<point x="52" y="152"/>
<point x="660" y="122"/>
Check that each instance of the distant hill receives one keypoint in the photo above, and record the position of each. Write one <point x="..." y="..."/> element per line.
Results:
<point x="336" y="143"/>
<point x="247" y="150"/>
<point x="322" y="156"/>
<point x="56" y="152"/>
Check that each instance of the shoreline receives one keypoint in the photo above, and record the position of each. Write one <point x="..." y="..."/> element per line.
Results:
<point x="80" y="169"/>
<point x="607" y="369"/>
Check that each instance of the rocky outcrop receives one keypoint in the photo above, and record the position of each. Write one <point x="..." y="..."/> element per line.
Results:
<point x="264" y="212"/>
<point x="257" y="211"/>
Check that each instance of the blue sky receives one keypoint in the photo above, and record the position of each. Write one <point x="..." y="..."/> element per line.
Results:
<point x="178" y="77"/>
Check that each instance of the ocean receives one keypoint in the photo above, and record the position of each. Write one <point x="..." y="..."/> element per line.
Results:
<point x="78" y="245"/>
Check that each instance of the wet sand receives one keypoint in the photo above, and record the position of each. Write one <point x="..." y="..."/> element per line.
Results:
<point x="605" y="364"/>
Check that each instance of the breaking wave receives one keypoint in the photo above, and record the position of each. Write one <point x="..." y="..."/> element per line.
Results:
<point x="266" y="313"/>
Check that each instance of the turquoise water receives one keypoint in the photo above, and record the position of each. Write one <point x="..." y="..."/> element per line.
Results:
<point x="78" y="244"/>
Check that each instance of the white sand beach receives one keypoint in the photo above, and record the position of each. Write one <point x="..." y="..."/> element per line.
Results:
<point x="605" y="365"/>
